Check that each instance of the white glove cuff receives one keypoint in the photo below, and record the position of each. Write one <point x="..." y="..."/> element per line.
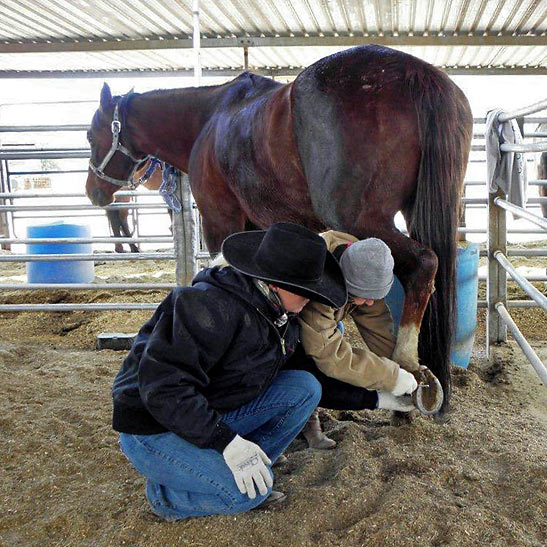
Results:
<point x="388" y="401"/>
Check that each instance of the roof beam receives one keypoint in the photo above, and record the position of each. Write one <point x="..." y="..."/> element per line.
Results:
<point x="186" y="43"/>
<point x="232" y="72"/>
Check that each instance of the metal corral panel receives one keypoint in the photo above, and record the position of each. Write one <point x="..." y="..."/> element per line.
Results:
<point x="114" y="35"/>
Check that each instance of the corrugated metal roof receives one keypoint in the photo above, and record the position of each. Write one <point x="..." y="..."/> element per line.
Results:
<point x="155" y="35"/>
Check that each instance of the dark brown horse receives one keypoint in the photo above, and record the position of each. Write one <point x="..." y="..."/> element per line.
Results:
<point x="357" y="137"/>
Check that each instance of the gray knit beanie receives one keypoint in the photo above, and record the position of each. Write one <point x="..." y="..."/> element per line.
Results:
<point x="368" y="268"/>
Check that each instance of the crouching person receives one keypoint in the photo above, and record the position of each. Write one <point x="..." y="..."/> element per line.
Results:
<point x="200" y="403"/>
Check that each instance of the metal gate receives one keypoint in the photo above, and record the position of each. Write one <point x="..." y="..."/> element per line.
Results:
<point x="499" y="266"/>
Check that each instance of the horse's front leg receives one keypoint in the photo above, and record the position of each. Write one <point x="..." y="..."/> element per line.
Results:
<point x="220" y="211"/>
<point x="415" y="266"/>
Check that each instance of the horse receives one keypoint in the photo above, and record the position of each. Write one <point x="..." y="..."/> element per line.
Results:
<point x="119" y="223"/>
<point x="355" y="138"/>
<point x="118" y="218"/>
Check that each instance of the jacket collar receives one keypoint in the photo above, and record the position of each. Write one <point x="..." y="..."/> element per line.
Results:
<point x="274" y="301"/>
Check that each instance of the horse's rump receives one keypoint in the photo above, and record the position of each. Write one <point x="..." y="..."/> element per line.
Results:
<point x="355" y="128"/>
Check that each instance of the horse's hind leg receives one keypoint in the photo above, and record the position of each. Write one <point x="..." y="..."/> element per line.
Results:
<point x="114" y="220"/>
<point x="415" y="266"/>
<point x="127" y="232"/>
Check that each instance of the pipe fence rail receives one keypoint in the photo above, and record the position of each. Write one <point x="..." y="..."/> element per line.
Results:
<point x="499" y="266"/>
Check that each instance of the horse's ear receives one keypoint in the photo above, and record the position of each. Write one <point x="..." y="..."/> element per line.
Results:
<point x="106" y="97"/>
<point x="131" y="90"/>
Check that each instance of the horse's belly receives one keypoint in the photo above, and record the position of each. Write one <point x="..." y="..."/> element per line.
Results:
<point x="267" y="200"/>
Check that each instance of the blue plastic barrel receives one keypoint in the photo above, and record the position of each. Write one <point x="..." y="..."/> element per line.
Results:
<point x="467" y="272"/>
<point x="70" y="271"/>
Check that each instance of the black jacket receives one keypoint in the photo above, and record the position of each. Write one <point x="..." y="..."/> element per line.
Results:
<point x="207" y="349"/>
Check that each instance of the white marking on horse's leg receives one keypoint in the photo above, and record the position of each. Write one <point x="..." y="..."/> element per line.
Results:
<point x="406" y="347"/>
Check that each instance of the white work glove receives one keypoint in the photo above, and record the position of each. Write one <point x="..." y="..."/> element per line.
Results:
<point x="405" y="384"/>
<point x="388" y="401"/>
<point x="247" y="462"/>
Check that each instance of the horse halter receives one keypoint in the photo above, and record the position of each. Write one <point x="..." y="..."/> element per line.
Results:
<point x="117" y="146"/>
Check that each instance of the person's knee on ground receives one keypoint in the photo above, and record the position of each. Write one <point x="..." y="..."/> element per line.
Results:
<point x="170" y="504"/>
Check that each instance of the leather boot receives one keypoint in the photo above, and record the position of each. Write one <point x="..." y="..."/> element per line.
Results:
<point x="314" y="435"/>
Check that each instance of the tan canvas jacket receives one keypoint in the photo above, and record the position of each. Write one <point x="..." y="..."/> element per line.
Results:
<point x="369" y="367"/>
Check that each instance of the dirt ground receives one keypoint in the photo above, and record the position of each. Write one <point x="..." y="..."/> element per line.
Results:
<point x="479" y="479"/>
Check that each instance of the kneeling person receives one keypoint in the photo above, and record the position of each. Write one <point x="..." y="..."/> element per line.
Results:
<point x="200" y="403"/>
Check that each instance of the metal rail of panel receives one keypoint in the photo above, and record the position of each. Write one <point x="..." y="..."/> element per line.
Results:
<point x="530" y="354"/>
<point x="102" y="257"/>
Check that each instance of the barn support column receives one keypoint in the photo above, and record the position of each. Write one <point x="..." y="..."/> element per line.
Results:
<point x="4" y="223"/>
<point x="196" y="43"/>
<point x="496" y="291"/>
<point x="184" y="234"/>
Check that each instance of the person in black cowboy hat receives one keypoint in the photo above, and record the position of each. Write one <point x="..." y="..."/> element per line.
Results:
<point x="201" y="403"/>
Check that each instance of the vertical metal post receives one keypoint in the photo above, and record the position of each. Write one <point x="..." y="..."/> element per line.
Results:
<point x="135" y="217"/>
<point x="496" y="329"/>
<point x="196" y="43"/>
<point x="4" y="224"/>
<point x="520" y="123"/>
<point x="10" y="201"/>
<point x="246" y="58"/>
<point x="184" y="234"/>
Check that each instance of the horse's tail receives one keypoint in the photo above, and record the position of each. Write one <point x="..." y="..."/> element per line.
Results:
<point x="445" y="128"/>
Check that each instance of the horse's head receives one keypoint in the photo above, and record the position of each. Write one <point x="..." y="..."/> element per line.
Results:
<point x="113" y="161"/>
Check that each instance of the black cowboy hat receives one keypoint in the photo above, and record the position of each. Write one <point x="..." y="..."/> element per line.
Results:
<point x="292" y="258"/>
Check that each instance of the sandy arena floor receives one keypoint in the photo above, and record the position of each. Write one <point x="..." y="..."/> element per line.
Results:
<point x="480" y="479"/>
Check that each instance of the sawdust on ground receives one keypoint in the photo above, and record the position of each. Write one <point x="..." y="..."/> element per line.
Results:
<point x="480" y="479"/>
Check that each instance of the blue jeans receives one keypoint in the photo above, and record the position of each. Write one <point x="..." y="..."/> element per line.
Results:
<point x="186" y="481"/>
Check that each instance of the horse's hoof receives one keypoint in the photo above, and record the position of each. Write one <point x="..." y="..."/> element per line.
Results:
<point x="443" y="417"/>
<point x="402" y="418"/>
